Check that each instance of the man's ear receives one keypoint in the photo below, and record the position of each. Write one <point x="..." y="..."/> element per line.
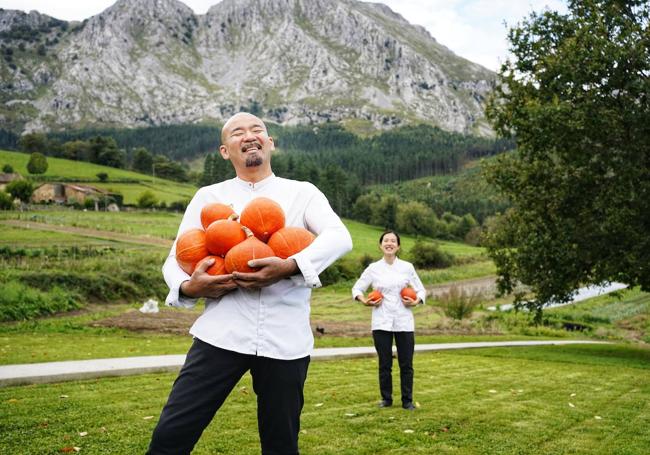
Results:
<point x="224" y="152"/>
<point x="272" y="143"/>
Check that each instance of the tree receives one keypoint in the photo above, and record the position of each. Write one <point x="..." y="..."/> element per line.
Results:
<point x="33" y="142"/>
<point x="415" y="218"/>
<point x="37" y="163"/>
<point x="142" y="160"/>
<point x="20" y="189"/>
<point x="575" y="96"/>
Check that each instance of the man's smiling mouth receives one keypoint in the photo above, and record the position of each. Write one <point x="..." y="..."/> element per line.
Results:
<point x="252" y="146"/>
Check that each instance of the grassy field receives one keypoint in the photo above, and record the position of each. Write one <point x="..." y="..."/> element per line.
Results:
<point x="560" y="400"/>
<point x="130" y="184"/>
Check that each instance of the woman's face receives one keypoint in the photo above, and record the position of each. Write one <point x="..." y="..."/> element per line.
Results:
<point x="389" y="245"/>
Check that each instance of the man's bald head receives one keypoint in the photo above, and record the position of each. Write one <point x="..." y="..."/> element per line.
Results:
<point x="240" y="115"/>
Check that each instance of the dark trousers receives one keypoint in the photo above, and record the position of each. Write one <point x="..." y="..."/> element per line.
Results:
<point x="405" y="342"/>
<point x="207" y="378"/>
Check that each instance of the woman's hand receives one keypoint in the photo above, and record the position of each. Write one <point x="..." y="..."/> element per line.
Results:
<point x="368" y="302"/>
<point x="409" y="302"/>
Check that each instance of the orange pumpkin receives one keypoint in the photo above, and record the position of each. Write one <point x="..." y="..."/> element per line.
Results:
<point x="290" y="240"/>
<point x="375" y="295"/>
<point x="218" y="268"/>
<point x="213" y="212"/>
<point x="409" y="292"/>
<point x="251" y="248"/>
<point x="187" y="267"/>
<point x="190" y="249"/>
<point x="263" y="216"/>
<point x="222" y="235"/>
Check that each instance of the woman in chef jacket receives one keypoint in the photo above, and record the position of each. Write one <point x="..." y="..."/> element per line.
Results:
<point x="392" y="316"/>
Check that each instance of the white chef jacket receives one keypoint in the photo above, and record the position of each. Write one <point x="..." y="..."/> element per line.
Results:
<point x="272" y="321"/>
<point x="390" y="279"/>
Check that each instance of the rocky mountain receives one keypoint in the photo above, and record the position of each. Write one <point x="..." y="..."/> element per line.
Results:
<point x="150" y="62"/>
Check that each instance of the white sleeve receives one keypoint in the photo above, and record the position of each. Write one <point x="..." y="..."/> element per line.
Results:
<point x="414" y="280"/>
<point x="362" y="283"/>
<point x="332" y="241"/>
<point x="172" y="272"/>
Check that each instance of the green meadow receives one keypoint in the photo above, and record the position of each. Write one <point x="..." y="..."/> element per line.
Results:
<point x="130" y="184"/>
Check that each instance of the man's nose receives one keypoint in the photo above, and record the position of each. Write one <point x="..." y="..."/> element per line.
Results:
<point x="249" y="136"/>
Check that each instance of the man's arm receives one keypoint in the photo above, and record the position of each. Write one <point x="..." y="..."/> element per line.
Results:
<point x="332" y="241"/>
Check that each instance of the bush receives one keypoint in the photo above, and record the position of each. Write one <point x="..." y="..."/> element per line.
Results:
<point x="7" y="169"/>
<point x="147" y="200"/>
<point x="6" y="201"/>
<point x="426" y="255"/>
<point x="20" y="189"/>
<point x="458" y="304"/>
<point x="102" y="176"/>
<point x="179" y="206"/>
<point x="37" y="163"/>
<point x="20" y="302"/>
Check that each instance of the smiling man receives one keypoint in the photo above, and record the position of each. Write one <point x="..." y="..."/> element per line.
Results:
<point x="257" y="322"/>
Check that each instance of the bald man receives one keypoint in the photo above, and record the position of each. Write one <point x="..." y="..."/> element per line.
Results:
<point x="257" y="322"/>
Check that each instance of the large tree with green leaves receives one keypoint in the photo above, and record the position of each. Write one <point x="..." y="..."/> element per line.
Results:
<point x="575" y="96"/>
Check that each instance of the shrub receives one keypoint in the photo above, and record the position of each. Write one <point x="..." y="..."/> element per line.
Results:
<point x="20" y="189"/>
<point x="147" y="200"/>
<point x="102" y="176"/>
<point x="427" y="255"/>
<point x="37" y="163"/>
<point x="7" y="169"/>
<point x="20" y="302"/>
<point x="6" y="201"/>
<point x="179" y="206"/>
<point x="458" y="304"/>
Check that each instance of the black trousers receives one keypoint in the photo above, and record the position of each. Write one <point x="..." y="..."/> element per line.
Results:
<point x="205" y="381"/>
<point x="405" y="342"/>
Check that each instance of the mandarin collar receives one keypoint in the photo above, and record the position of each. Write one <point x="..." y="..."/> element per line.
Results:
<point x="386" y="263"/>
<point x="258" y="185"/>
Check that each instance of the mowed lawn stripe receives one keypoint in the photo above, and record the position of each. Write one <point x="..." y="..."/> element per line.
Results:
<point x="469" y="403"/>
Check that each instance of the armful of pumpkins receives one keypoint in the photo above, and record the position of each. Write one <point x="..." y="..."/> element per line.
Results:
<point x="250" y="253"/>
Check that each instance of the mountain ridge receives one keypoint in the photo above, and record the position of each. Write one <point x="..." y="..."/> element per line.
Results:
<point x="152" y="62"/>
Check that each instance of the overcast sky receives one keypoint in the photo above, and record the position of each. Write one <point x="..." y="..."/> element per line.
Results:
<point x="473" y="29"/>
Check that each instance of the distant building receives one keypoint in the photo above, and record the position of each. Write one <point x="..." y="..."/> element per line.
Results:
<point x="68" y="193"/>
<point x="7" y="178"/>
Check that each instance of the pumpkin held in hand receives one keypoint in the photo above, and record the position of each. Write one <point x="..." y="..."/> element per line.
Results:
<point x="263" y="216"/>
<point x="290" y="240"/>
<point x="218" y="268"/>
<point x="190" y="249"/>
<point x="251" y="248"/>
<point x="222" y="235"/>
<point x="410" y="293"/>
<point x="213" y="212"/>
<point x="375" y="295"/>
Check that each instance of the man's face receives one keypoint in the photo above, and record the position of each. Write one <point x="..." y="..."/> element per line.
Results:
<point x="246" y="143"/>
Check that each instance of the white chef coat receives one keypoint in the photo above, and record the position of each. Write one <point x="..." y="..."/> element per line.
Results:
<point x="390" y="279"/>
<point x="272" y="321"/>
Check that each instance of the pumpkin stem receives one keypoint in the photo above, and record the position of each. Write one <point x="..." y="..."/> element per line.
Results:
<point x="248" y="232"/>
<point x="233" y="217"/>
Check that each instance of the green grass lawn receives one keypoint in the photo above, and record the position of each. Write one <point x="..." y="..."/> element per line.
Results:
<point x="559" y="400"/>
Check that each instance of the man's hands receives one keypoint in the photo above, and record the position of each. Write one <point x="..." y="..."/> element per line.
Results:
<point x="202" y="284"/>
<point x="271" y="270"/>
